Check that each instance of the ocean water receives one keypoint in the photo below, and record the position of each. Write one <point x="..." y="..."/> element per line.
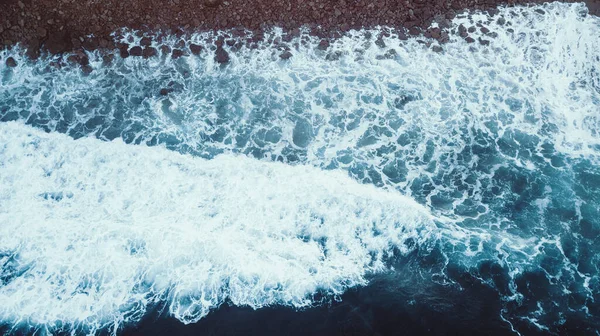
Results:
<point x="392" y="183"/>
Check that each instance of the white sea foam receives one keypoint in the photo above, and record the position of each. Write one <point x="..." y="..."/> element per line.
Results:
<point x="96" y="231"/>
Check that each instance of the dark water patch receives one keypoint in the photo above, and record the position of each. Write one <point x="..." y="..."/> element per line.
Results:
<point x="385" y="307"/>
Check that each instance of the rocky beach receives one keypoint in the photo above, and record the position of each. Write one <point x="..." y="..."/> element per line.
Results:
<point x="65" y="26"/>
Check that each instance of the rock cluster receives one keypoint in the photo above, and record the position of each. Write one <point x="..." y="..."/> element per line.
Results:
<point x="60" y="26"/>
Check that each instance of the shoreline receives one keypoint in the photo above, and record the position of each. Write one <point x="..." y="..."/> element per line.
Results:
<point x="67" y="26"/>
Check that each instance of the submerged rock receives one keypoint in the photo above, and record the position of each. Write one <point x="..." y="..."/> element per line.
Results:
<point x="323" y="45"/>
<point x="136" y="51"/>
<point x="165" y="91"/>
<point x="11" y="62"/>
<point x="146" y="41"/>
<point x="177" y="53"/>
<point x="124" y="52"/>
<point x="221" y="56"/>
<point x="286" y="55"/>
<point x="86" y="69"/>
<point x="195" y="49"/>
<point x="149" y="52"/>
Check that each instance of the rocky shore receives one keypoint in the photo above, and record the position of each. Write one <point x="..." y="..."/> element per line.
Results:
<point x="61" y="26"/>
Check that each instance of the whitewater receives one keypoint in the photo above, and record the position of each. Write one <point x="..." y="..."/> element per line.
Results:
<point x="183" y="185"/>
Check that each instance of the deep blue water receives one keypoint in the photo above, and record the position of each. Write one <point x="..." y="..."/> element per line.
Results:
<point x="498" y="144"/>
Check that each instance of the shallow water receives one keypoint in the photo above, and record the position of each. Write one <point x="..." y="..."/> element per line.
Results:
<point x="394" y="169"/>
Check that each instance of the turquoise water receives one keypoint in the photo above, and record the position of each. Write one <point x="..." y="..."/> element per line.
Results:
<point x="286" y="182"/>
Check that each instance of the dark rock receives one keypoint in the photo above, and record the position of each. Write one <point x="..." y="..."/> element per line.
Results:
<point x="323" y="45"/>
<point x="149" y="52"/>
<point x="177" y="53"/>
<point x="472" y="29"/>
<point x="179" y="45"/>
<point x="501" y="21"/>
<point x="165" y="91"/>
<point x="380" y="43"/>
<point x="84" y="60"/>
<point x="124" y="51"/>
<point x="136" y="51"/>
<point x="437" y="49"/>
<point x="86" y="69"/>
<point x="55" y="65"/>
<point x="286" y="55"/>
<point x="484" y="30"/>
<point x="90" y="44"/>
<point x="402" y="35"/>
<point x="165" y="49"/>
<point x="484" y="42"/>
<point x="146" y="41"/>
<point x="462" y="31"/>
<point x="195" y="49"/>
<point x="390" y="54"/>
<point x="108" y="59"/>
<point x="493" y="11"/>
<point x="11" y="62"/>
<point x="414" y="31"/>
<point x="469" y="39"/>
<point x="444" y="37"/>
<point x="33" y="49"/>
<point x="73" y="59"/>
<point x="221" y="56"/>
